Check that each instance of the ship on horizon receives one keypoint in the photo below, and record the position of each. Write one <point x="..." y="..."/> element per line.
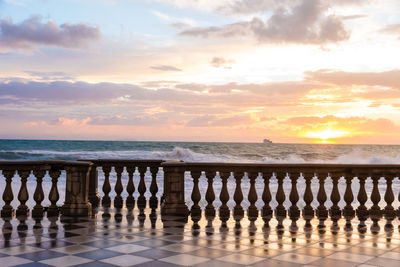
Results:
<point x="267" y="141"/>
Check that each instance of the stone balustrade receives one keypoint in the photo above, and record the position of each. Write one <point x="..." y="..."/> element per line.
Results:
<point x="141" y="167"/>
<point x="328" y="185"/>
<point x="175" y="200"/>
<point x="76" y="187"/>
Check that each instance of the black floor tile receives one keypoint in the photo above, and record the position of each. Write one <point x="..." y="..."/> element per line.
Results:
<point x="103" y="243"/>
<point x="155" y="253"/>
<point x="98" y="254"/>
<point x="41" y="255"/>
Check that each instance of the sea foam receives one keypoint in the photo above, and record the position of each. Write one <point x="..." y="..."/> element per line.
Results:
<point x="356" y="156"/>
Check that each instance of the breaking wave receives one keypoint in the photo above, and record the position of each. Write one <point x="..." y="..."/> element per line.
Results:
<point x="356" y="156"/>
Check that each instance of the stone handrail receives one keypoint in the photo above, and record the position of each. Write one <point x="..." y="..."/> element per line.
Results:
<point x="174" y="178"/>
<point x="76" y="195"/>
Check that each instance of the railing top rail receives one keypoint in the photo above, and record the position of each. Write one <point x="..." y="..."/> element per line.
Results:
<point x="43" y="164"/>
<point x="286" y="167"/>
<point x="137" y="162"/>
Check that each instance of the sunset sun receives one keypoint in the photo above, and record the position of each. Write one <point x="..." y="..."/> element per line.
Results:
<point x="327" y="135"/>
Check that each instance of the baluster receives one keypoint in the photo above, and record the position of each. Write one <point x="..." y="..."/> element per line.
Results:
<point x="266" y="197"/>
<point x="362" y="211"/>
<point x="153" y="188"/>
<point x="195" y="211"/>
<point x="321" y="212"/>
<point x="252" y="212"/>
<point x="398" y="197"/>
<point x="294" y="212"/>
<point x="8" y="196"/>
<point x="38" y="195"/>
<point x="23" y="194"/>
<point x="118" y="202"/>
<point x="280" y="211"/>
<point x="130" y="188"/>
<point x="348" y="211"/>
<point x="224" y="212"/>
<point x="389" y="198"/>
<point x="308" y="211"/>
<point x="335" y="211"/>
<point x="210" y="196"/>
<point x="106" y="200"/>
<point x="238" y="196"/>
<point x="142" y="188"/>
<point x="375" y="211"/>
<point x="54" y="196"/>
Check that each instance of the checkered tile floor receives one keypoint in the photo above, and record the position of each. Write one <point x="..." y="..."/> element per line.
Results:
<point x="126" y="238"/>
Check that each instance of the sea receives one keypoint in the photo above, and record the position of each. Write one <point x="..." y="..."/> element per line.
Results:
<point x="201" y="152"/>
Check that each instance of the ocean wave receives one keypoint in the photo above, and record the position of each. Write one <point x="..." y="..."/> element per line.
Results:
<point x="177" y="153"/>
<point x="356" y="156"/>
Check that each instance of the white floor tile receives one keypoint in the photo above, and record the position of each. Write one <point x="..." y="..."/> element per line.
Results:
<point x="126" y="260"/>
<point x="296" y="258"/>
<point x="185" y="259"/>
<point x="66" y="261"/>
<point x="344" y="256"/>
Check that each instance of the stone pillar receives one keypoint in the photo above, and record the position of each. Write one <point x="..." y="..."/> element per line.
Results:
<point x="77" y="191"/>
<point x="94" y="196"/>
<point x="174" y="189"/>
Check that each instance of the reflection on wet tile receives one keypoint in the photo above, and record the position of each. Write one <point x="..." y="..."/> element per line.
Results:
<point x="326" y="262"/>
<point x="66" y="261"/>
<point x="19" y="250"/>
<point x="185" y="259"/>
<point x="296" y="258"/>
<point x="380" y="261"/>
<point x="125" y="260"/>
<point x="74" y="249"/>
<point x="209" y="253"/>
<point x="358" y="258"/>
<point x="391" y="255"/>
<point x="98" y="254"/>
<point x="244" y="259"/>
<point x="125" y="238"/>
<point x="13" y="261"/>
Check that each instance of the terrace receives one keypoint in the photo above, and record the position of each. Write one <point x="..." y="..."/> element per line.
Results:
<point x="155" y="213"/>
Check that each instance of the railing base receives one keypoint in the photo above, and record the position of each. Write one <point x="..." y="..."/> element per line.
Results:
<point x="95" y="200"/>
<point x="175" y="210"/>
<point x="77" y="210"/>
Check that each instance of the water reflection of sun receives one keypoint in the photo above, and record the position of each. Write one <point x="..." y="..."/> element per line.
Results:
<point x="324" y="136"/>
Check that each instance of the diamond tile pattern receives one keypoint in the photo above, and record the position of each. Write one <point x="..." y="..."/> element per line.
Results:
<point x="134" y="238"/>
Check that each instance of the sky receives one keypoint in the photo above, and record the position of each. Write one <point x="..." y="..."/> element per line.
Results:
<point x="293" y="71"/>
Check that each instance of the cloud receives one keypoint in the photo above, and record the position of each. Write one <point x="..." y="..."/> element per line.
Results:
<point x="392" y="29"/>
<point x="307" y="22"/>
<point x="189" y="95"/>
<point x="158" y="84"/>
<point x="389" y="78"/>
<point x="220" y="62"/>
<point x="66" y="92"/>
<point x="32" y="33"/>
<point x="165" y="68"/>
<point x="119" y="119"/>
<point x="343" y="86"/>
<point x="218" y="121"/>
<point x="61" y="121"/>
<point x="261" y="6"/>
<point x="350" y="17"/>
<point x="50" y="75"/>
<point x="254" y="6"/>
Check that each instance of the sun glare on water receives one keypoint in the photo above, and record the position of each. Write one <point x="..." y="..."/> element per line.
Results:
<point x="324" y="136"/>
